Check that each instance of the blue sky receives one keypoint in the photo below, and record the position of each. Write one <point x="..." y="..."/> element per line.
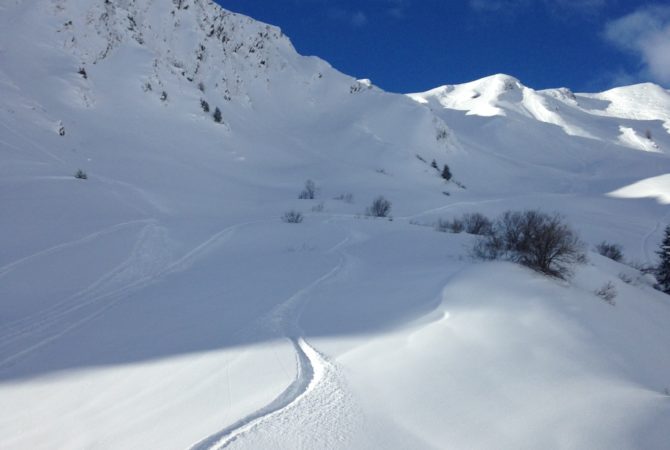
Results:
<point x="415" y="45"/>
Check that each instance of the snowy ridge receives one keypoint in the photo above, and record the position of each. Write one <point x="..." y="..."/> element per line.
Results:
<point x="162" y="302"/>
<point x="501" y="95"/>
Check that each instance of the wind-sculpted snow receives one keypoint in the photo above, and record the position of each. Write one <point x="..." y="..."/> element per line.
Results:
<point x="162" y="303"/>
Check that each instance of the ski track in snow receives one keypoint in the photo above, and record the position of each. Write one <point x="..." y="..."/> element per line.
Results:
<point x="4" y="270"/>
<point x="35" y="144"/>
<point x="310" y="372"/>
<point x="646" y="241"/>
<point x="312" y="368"/>
<point x="146" y="265"/>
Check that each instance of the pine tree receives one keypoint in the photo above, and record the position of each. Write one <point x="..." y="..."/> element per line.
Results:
<point x="663" y="269"/>
<point x="433" y="164"/>
<point x="217" y="115"/>
<point x="446" y="173"/>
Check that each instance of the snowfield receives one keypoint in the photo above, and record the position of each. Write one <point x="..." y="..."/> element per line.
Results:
<point x="163" y="303"/>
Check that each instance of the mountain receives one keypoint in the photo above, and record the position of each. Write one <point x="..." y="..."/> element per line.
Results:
<point x="161" y="302"/>
<point x="631" y="116"/>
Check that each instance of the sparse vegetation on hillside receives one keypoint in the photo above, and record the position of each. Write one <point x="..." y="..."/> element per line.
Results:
<point x="663" y="268"/>
<point x="309" y="192"/>
<point x="292" y="217"/>
<point x="380" y="207"/>
<point x="540" y="241"/>
<point x="610" y="250"/>
<point x="218" y="118"/>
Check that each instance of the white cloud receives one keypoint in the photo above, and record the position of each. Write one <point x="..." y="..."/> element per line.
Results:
<point x="496" y="5"/>
<point x="558" y="5"/>
<point x="646" y="33"/>
<point x="354" y="18"/>
<point x="358" y="19"/>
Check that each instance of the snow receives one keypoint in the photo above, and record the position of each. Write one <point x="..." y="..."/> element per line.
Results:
<point x="162" y="302"/>
<point x="655" y="187"/>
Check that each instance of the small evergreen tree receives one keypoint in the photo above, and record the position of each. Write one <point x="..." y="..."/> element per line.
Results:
<point x="446" y="173"/>
<point x="433" y="164"/>
<point x="217" y="115"/>
<point x="81" y="175"/>
<point x="663" y="269"/>
<point x="204" y="105"/>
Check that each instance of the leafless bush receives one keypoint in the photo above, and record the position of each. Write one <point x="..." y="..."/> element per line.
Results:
<point x="346" y="197"/>
<point x="476" y="223"/>
<point x="319" y="207"/>
<point x="471" y="223"/>
<point x="607" y="292"/>
<point x="380" y="207"/>
<point x="642" y="267"/>
<point x="610" y="250"/>
<point x="309" y="193"/>
<point x="534" y="239"/>
<point x="292" y="217"/>
<point x="454" y="225"/>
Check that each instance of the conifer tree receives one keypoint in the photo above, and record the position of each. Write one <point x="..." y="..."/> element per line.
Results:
<point x="663" y="269"/>
<point x="446" y="173"/>
<point x="217" y="115"/>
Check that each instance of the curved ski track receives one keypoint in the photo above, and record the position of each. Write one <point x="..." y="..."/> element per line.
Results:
<point x="312" y="368"/>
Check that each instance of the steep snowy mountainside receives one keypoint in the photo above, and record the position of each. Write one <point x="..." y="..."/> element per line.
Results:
<point x="162" y="302"/>
<point x="125" y="83"/>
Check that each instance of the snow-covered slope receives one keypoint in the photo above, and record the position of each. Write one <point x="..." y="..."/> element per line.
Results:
<point x="162" y="302"/>
<point x="632" y="116"/>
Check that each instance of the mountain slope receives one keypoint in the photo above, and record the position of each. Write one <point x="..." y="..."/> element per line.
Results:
<point x="163" y="303"/>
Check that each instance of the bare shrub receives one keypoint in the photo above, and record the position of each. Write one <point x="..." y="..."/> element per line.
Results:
<point x="471" y="223"/>
<point x="81" y="175"/>
<point x="477" y="223"/>
<point x="309" y="193"/>
<point x="625" y="278"/>
<point x="346" y="197"/>
<point x="292" y="217"/>
<point x="642" y="267"/>
<point x="610" y="250"/>
<point x="380" y="207"/>
<point x="534" y="239"/>
<point x="455" y="225"/>
<point x="607" y="292"/>
<point x="319" y="207"/>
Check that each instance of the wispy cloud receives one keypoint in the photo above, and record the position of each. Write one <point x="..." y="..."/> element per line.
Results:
<point x="354" y="18"/>
<point x="512" y="6"/>
<point x="497" y="5"/>
<point x="645" y="33"/>
<point x="358" y="19"/>
<point x="396" y="8"/>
